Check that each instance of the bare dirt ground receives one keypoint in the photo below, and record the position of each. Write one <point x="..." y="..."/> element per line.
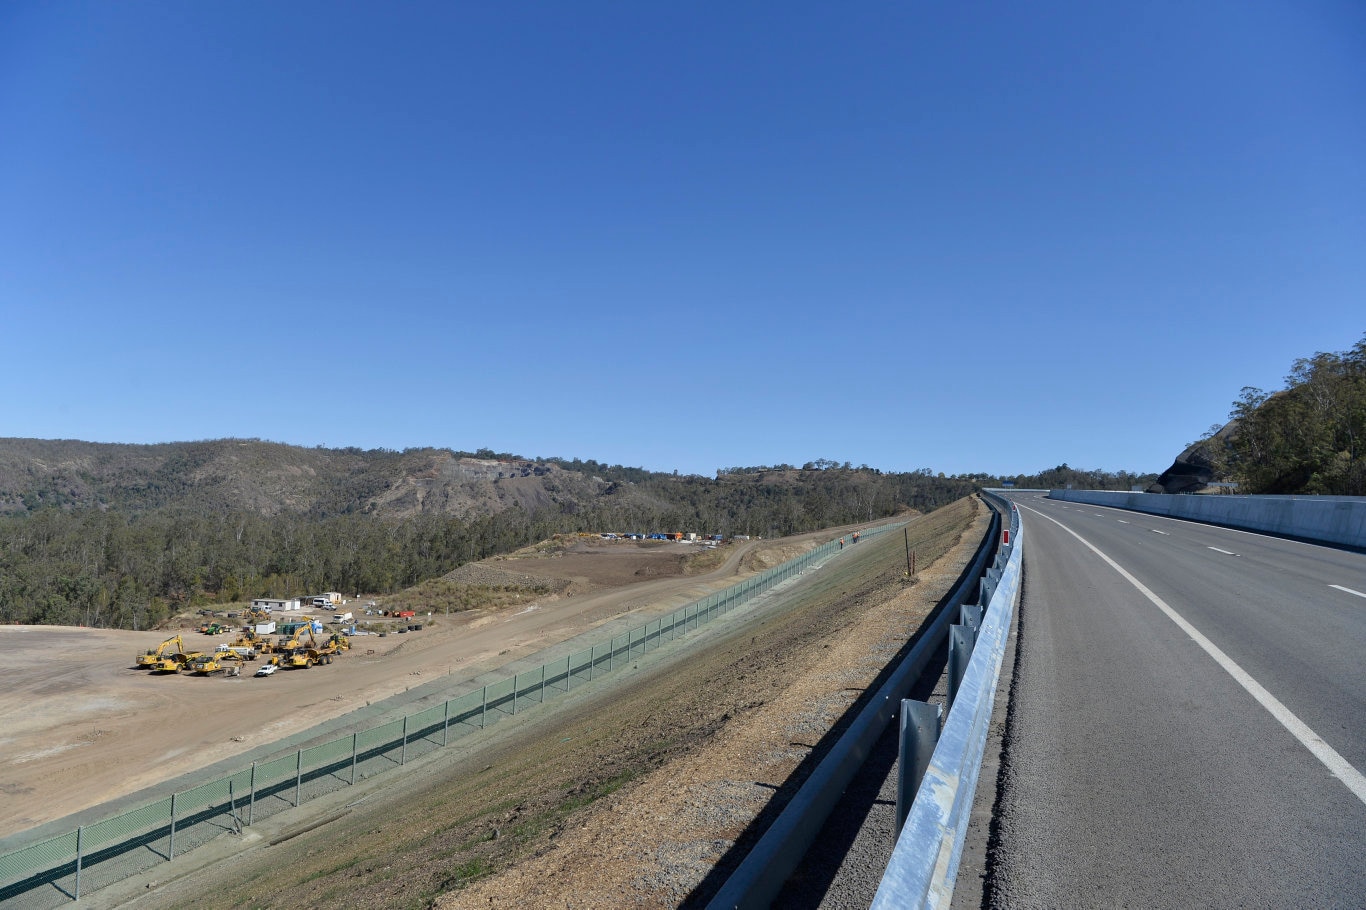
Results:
<point x="83" y="727"/>
<point x="642" y="791"/>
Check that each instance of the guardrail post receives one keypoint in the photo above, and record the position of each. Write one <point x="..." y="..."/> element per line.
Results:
<point x="971" y="615"/>
<point x="961" y="639"/>
<point x="80" y="837"/>
<point x="298" y="776"/>
<point x="355" y="742"/>
<point x="919" y="735"/>
<point x="403" y="751"/>
<point x="170" y="849"/>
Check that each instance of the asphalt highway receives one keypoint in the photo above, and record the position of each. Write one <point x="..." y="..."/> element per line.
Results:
<point x="1187" y="719"/>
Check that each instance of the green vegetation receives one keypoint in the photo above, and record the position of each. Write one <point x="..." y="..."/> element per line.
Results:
<point x="1310" y="437"/>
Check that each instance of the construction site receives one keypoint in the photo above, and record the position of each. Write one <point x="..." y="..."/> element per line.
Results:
<point x="103" y="728"/>
<point x="82" y="700"/>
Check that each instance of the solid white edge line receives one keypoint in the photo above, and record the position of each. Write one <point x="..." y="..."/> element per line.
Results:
<point x="1338" y="766"/>
<point x="1348" y="590"/>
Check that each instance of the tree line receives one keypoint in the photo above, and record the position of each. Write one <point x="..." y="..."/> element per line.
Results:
<point x="1309" y="437"/>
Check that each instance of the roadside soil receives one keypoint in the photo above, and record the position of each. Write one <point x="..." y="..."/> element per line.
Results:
<point x="642" y="791"/>
<point x="82" y="726"/>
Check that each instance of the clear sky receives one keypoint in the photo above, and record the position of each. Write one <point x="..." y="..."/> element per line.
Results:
<point x="964" y="236"/>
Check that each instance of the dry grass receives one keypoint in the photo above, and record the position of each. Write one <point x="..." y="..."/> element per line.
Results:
<point x="442" y="596"/>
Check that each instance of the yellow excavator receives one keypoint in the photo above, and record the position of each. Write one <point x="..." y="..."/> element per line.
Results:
<point x="296" y="655"/>
<point x="175" y="661"/>
<point x="149" y="659"/>
<point x="293" y="641"/>
<point x="250" y="639"/>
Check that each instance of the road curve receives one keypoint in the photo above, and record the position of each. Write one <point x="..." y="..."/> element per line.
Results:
<point x="1187" y="719"/>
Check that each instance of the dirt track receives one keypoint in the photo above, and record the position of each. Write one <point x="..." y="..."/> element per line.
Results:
<point x="83" y="727"/>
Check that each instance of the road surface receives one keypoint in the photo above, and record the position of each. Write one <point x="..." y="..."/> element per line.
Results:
<point x="1188" y="719"/>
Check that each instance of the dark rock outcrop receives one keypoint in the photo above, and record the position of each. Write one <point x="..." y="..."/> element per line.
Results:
<point x="1195" y="468"/>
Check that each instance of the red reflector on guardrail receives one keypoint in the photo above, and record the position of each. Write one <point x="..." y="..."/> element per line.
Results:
<point x="1005" y="536"/>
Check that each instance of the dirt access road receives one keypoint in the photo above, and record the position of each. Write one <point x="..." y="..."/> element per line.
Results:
<point x="641" y="790"/>
<point x="83" y="727"/>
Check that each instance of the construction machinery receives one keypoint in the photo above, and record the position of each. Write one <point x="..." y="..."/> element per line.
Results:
<point x="225" y="662"/>
<point x="213" y="628"/>
<point x="296" y="655"/>
<point x="302" y="658"/>
<point x="174" y="662"/>
<point x="250" y="639"/>
<point x="293" y="641"/>
<point x="148" y="659"/>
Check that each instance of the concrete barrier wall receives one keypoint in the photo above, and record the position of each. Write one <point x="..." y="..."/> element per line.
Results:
<point x="1323" y="519"/>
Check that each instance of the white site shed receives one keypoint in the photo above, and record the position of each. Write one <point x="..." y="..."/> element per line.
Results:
<point x="272" y="603"/>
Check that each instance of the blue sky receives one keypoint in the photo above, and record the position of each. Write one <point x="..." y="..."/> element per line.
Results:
<point x="969" y="237"/>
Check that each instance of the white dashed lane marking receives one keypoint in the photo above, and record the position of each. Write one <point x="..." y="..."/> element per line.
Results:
<point x="1348" y="590"/>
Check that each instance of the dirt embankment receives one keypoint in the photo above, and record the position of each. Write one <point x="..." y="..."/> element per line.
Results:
<point x="638" y="793"/>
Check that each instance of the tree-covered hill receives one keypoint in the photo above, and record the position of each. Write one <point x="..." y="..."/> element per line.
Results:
<point x="1309" y="437"/>
<point x="126" y="535"/>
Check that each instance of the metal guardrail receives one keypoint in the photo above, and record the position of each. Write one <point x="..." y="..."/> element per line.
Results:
<point x="759" y="878"/>
<point x="158" y="831"/>
<point x="925" y="860"/>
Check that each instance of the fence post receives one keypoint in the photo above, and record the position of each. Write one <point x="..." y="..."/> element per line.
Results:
<point x="251" y="806"/>
<point x="355" y="742"/>
<point x="170" y="850"/>
<point x="542" y="683"/>
<point x="80" y="836"/>
<point x="592" y="659"/>
<point x="484" y="706"/>
<point x="611" y="653"/>
<point x="446" y="723"/>
<point x="298" y="776"/>
<point x="403" y="752"/>
<point x="232" y="808"/>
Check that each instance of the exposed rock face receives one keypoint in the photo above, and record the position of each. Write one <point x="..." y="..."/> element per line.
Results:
<point x="1194" y="468"/>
